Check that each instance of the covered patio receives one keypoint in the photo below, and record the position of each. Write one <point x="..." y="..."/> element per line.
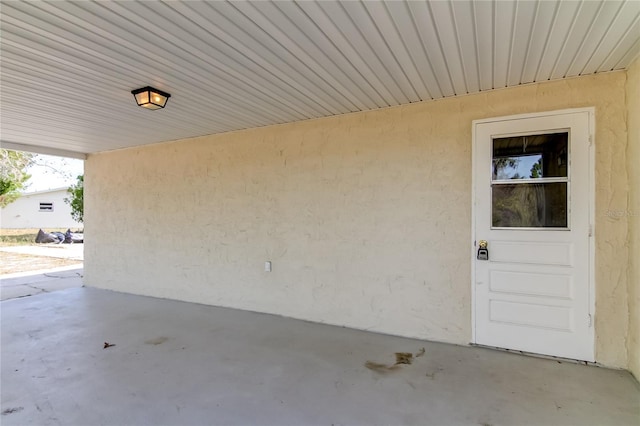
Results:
<point x="330" y="183"/>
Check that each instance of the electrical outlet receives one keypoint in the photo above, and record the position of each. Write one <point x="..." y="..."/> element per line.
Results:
<point x="267" y="266"/>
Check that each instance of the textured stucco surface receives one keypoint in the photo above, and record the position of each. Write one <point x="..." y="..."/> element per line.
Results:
<point x="366" y="217"/>
<point x="633" y="214"/>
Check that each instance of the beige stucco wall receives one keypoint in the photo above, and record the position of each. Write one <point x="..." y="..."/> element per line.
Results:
<point x="366" y="217"/>
<point x="633" y="213"/>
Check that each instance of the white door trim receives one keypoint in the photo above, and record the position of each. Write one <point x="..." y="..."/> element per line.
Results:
<point x="591" y="166"/>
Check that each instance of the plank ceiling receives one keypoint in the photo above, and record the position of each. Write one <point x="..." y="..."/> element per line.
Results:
<point x="68" y="67"/>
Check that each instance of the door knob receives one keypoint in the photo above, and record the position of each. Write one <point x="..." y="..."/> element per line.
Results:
<point x="483" y="251"/>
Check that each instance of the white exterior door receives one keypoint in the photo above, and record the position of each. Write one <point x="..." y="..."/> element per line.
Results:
<point x="532" y="206"/>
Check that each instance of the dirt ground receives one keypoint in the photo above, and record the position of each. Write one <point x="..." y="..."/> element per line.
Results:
<point x="11" y="263"/>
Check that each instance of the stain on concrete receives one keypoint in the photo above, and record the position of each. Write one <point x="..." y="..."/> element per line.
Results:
<point x="404" y="358"/>
<point x="381" y="368"/>
<point x="12" y="410"/>
<point x="156" y="341"/>
<point x="432" y="375"/>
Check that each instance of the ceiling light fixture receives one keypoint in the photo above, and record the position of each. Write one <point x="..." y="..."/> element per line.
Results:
<point x="150" y="98"/>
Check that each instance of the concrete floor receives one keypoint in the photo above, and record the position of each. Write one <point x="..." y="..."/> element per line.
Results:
<point x="30" y="283"/>
<point x="177" y="363"/>
<point x="36" y="282"/>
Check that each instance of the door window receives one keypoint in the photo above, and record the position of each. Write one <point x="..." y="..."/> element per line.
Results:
<point x="530" y="181"/>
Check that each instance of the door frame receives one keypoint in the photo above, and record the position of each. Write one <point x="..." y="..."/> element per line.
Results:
<point x="591" y="210"/>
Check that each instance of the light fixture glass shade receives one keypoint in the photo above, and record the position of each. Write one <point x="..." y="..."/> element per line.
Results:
<point x="150" y="98"/>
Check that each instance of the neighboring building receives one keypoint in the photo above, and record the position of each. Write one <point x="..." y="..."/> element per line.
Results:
<point x="41" y="209"/>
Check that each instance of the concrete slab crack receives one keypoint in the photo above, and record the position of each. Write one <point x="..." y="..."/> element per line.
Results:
<point x="36" y="288"/>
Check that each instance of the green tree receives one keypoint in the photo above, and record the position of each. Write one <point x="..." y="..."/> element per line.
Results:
<point x="76" y="200"/>
<point x="536" y="169"/>
<point x="13" y="174"/>
<point x="501" y="164"/>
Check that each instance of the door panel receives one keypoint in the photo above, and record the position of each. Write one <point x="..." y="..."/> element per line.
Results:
<point x="533" y="252"/>
<point x="531" y="206"/>
<point x="531" y="284"/>
<point x="531" y="314"/>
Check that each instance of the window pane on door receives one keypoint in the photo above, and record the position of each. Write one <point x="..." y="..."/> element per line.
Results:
<point x="530" y="157"/>
<point x="529" y="205"/>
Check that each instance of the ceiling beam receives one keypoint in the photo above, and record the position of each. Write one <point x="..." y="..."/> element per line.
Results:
<point x="42" y="150"/>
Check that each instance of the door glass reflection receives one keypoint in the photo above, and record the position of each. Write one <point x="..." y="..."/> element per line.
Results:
<point x="530" y="157"/>
<point x="530" y="181"/>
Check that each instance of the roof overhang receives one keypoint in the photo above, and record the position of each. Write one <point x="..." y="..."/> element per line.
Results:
<point x="68" y="67"/>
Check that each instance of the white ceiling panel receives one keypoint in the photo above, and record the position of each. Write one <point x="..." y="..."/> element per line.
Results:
<point x="621" y="32"/>
<point x="68" y="67"/>
<point x="525" y="15"/>
<point x="430" y="41"/>
<point x="447" y="39"/>
<point x="504" y="32"/>
<point x="583" y="22"/>
<point x="483" y="19"/>
<point x="463" y="17"/>
<point x="560" y="30"/>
